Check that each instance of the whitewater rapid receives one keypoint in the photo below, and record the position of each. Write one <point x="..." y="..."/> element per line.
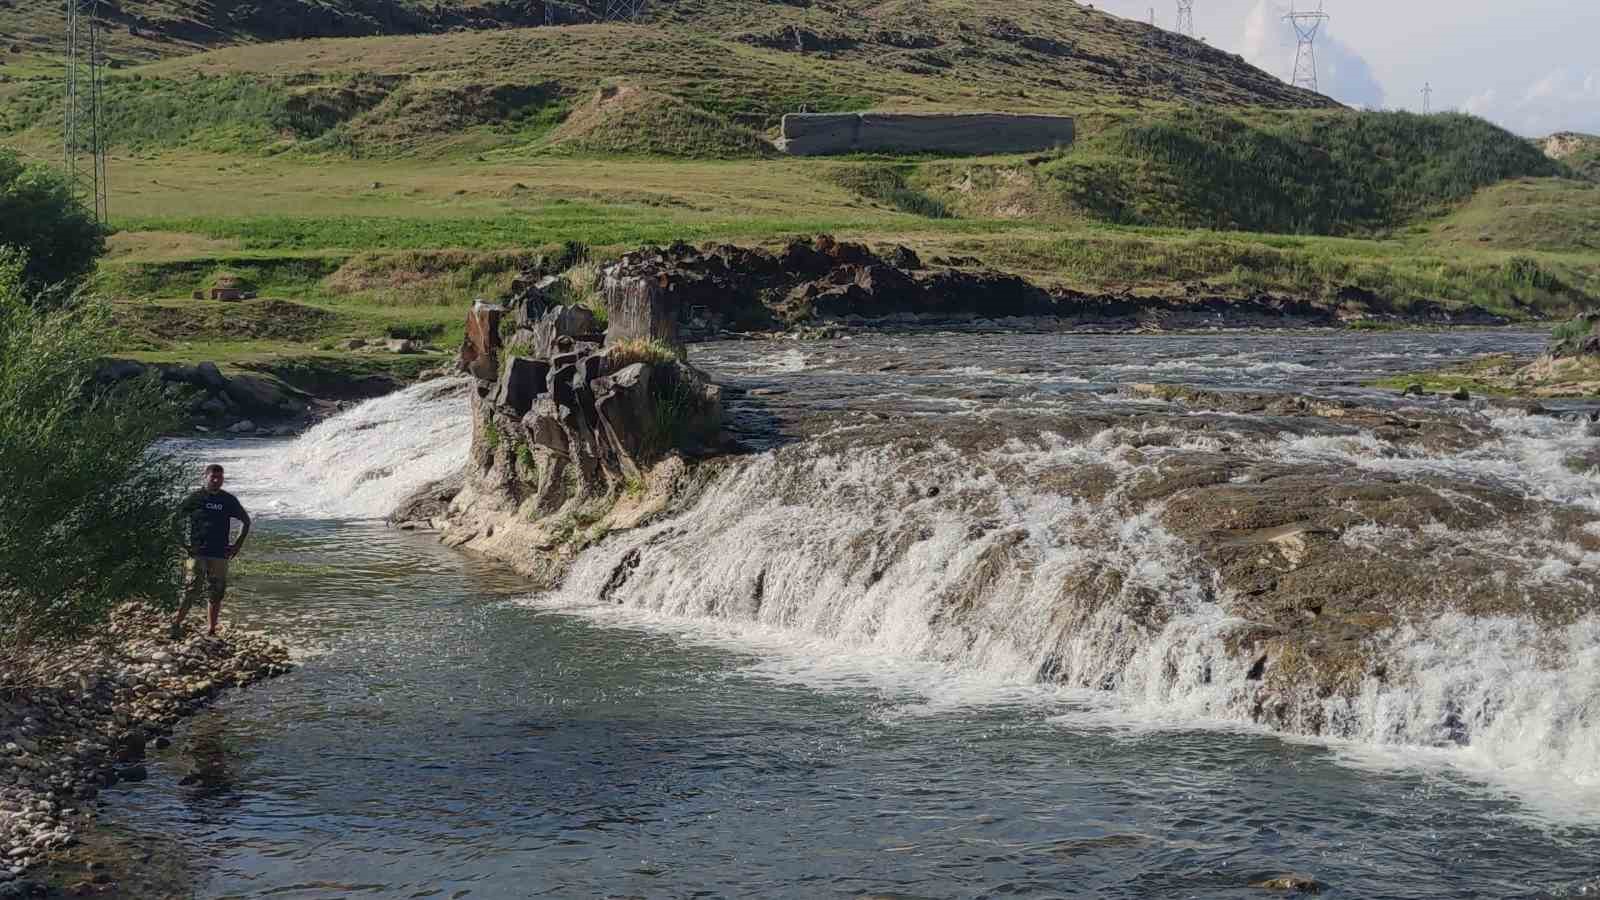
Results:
<point x="840" y="562"/>
<point x="359" y="464"/>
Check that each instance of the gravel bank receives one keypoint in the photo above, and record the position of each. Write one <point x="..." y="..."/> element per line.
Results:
<point x="76" y="719"/>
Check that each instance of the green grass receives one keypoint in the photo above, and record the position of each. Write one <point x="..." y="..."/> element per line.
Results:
<point x="1557" y="215"/>
<point x="1575" y="328"/>
<point x="887" y="184"/>
<point x="1311" y="173"/>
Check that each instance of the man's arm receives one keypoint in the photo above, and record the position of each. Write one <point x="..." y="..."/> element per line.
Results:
<point x="185" y="514"/>
<point x="242" y="516"/>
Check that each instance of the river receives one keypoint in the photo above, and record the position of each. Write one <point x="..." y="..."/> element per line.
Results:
<point x="451" y="734"/>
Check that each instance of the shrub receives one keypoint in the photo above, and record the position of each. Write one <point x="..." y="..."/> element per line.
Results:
<point x="1574" y="328"/>
<point x="39" y="216"/>
<point x="87" y="497"/>
<point x="625" y="353"/>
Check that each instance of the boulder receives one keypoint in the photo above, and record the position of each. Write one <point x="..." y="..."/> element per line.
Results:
<point x="480" y="349"/>
<point x="115" y="370"/>
<point x="903" y="257"/>
<point x="210" y="376"/>
<point x="243" y="426"/>
<point x="557" y="323"/>
<point x="646" y="410"/>
<point x="521" y="383"/>
<point x="257" y="394"/>
<point x="544" y="426"/>
<point x="430" y="501"/>
<point x="401" y="345"/>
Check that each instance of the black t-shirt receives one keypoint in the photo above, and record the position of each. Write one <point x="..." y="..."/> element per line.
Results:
<point x="209" y="526"/>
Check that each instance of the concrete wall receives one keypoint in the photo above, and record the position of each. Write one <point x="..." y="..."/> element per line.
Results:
<point x="817" y="134"/>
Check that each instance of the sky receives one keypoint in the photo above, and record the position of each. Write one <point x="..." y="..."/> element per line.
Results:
<point x="1532" y="66"/>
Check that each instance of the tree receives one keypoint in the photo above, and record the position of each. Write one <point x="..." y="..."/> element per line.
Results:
<point x="59" y="239"/>
<point x="87" y="495"/>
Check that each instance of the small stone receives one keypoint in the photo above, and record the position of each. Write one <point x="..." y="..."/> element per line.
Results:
<point x="242" y="426"/>
<point x="1297" y="884"/>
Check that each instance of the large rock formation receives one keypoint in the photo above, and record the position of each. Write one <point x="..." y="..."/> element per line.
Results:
<point x="680" y="292"/>
<point x="576" y="434"/>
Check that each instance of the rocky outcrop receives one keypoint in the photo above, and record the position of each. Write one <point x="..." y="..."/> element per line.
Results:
<point x="576" y="434"/>
<point x="818" y="134"/>
<point x="80" y="718"/>
<point x="222" y="403"/>
<point x="681" y="292"/>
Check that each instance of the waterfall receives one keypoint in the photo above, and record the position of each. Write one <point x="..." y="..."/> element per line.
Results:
<point x="978" y="563"/>
<point x="361" y="463"/>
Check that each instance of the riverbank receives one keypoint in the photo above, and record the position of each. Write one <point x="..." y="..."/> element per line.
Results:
<point x="78" y="719"/>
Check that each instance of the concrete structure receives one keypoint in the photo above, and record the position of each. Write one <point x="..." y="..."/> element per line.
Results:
<point x="820" y="134"/>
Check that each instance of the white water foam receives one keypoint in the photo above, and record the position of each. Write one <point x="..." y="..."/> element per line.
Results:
<point x="847" y="569"/>
<point x="361" y="463"/>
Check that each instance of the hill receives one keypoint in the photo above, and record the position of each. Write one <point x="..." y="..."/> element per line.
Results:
<point x="1580" y="152"/>
<point x="745" y="61"/>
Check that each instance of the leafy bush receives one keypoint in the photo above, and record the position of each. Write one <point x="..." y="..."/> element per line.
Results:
<point x="87" y="499"/>
<point x="39" y="216"/>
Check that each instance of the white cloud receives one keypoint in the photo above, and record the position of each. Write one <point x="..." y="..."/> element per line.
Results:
<point x="1270" y="43"/>
<point x="1485" y="56"/>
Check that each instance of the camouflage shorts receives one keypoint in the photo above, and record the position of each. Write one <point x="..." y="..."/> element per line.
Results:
<point x="208" y="572"/>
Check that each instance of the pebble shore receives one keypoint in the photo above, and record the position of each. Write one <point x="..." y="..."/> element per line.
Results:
<point x="78" y="719"/>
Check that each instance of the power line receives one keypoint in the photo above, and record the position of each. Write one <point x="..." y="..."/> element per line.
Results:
<point x="1186" y="18"/>
<point x="1306" y="25"/>
<point x="83" y="122"/>
<point x="624" y="10"/>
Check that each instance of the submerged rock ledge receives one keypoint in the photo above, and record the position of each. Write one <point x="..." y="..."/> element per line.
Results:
<point x="76" y="719"/>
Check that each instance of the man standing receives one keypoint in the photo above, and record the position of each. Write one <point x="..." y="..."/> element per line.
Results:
<point x="211" y="511"/>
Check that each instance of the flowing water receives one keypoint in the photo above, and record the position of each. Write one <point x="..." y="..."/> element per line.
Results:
<point x="771" y="704"/>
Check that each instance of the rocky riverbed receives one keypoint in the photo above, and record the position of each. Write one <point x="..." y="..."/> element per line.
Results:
<point x="74" y="720"/>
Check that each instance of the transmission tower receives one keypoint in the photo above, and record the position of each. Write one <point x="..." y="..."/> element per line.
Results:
<point x="1306" y="25"/>
<point x="1427" y="98"/>
<point x="1186" y="18"/>
<point x="624" y="10"/>
<point x="83" y="123"/>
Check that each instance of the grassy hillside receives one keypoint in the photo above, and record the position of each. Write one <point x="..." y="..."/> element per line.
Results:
<point x="743" y="62"/>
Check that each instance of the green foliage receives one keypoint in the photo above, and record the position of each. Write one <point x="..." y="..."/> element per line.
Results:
<point x="1575" y="328"/>
<point x="527" y="466"/>
<point x="491" y="435"/>
<point x="39" y="216"/>
<point x="1310" y="173"/>
<point x="887" y="184"/>
<point x="674" y="405"/>
<point x="1525" y="272"/>
<point x="87" y="499"/>
<point x="625" y="353"/>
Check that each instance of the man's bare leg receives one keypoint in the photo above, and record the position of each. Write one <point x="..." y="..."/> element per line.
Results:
<point x="214" y="612"/>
